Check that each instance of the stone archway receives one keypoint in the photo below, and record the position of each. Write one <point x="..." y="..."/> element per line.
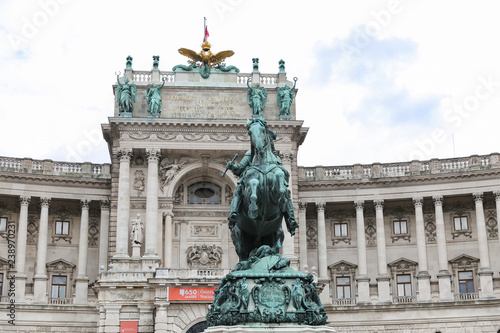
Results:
<point x="198" y="327"/>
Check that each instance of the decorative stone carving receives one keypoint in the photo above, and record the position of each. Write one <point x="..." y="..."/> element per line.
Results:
<point x="491" y="223"/>
<point x="139" y="182"/>
<point x="430" y="228"/>
<point x="204" y="255"/>
<point x="312" y="234"/>
<point x="32" y="236"/>
<point x="168" y="170"/>
<point x="229" y="194"/>
<point x="371" y="232"/>
<point x="93" y="233"/>
<point x="204" y="230"/>
<point x="179" y="195"/>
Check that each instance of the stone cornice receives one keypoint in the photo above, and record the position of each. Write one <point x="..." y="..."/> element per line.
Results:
<point x="36" y="179"/>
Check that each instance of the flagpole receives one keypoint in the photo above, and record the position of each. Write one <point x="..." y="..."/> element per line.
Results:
<point x="204" y="29"/>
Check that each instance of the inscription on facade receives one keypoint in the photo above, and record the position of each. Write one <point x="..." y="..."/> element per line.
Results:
<point x="204" y="107"/>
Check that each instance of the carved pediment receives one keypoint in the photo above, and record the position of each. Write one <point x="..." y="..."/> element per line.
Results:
<point x="403" y="264"/>
<point x="60" y="266"/>
<point x="342" y="267"/>
<point x="464" y="261"/>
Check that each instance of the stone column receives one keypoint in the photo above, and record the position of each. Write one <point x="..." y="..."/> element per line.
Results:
<point x="383" y="279"/>
<point x="183" y="244"/>
<point x="123" y="209"/>
<point x="112" y="321"/>
<point x="151" y="251"/>
<point x="423" y="276"/>
<point x="485" y="273"/>
<point x="146" y="321"/>
<point x="82" y="280"/>
<point x="161" y="319"/>
<point x="322" y="254"/>
<point x="225" y="243"/>
<point x="289" y="243"/>
<point x="103" y="235"/>
<point x="168" y="237"/>
<point x="362" y="279"/>
<point x="22" y="235"/>
<point x="302" y="234"/>
<point x="40" y="278"/>
<point x="497" y="201"/>
<point x="444" y="275"/>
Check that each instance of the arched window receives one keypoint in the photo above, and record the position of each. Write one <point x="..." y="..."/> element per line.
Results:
<point x="204" y="193"/>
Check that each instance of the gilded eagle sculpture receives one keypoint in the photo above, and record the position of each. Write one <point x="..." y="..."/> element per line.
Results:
<point x="206" y="60"/>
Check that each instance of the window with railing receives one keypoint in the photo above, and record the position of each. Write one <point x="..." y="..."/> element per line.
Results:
<point x="343" y="287"/>
<point x="58" y="286"/>
<point x="404" y="284"/>
<point x="465" y="282"/>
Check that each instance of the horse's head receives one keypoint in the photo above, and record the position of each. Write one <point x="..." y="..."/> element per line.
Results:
<point x="259" y="135"/>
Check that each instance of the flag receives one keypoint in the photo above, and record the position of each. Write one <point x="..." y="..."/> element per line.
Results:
<point x="206" y="34"/>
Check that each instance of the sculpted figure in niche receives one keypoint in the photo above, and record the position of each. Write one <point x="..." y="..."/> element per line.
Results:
<point x="153" y="97"/>
<point x="257" y="98"/>
<point x="168" y="170"/>
<point x="285" y="98"/>
<point x="126" y="93"/>
<point x="137" y="230"/>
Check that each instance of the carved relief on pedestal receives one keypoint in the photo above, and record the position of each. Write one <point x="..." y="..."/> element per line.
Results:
<point x="204" y="255"/>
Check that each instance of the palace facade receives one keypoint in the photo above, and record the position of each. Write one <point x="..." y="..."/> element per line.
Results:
<point x="141" y="243"/>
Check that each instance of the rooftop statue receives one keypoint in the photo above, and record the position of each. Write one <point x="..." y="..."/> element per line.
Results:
<point x="205" y="60"/>
<point x="153" y="97"/>
<point x="257" y="98"/>
<point x="126" y="93"/>
<point x="285" y="97"/>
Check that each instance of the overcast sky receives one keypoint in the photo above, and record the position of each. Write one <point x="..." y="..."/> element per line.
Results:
<point x="379" y="81"/>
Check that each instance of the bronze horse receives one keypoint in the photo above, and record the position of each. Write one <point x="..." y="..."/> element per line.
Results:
<point x="263" y="197"/>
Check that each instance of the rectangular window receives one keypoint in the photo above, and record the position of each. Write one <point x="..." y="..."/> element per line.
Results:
<point x="404" y="284"/>
<point x="460" y="223"/>
<point x="58" y="286"/>
<point x="62" y="227"/>
<point x="3" y="224"/>
<point x="400" y="227"/>
<point x="340" y="230"/>
<point x="465" y="282"/>
<point x="343" y="287"/>
<point x="1" y="283"/>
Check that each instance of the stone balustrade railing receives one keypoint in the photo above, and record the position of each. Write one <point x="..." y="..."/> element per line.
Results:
<point x="49" y="167"/>
<point x="191" y="273"/>
<point x="403" y="169"/>
<point x="157" y="76"/>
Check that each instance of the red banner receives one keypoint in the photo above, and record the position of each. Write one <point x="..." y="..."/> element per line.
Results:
<point x="190" y="294"/>
<point x="128" y="327"/>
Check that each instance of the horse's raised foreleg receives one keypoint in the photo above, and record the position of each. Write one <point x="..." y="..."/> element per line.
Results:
<point x="253" y="209"/>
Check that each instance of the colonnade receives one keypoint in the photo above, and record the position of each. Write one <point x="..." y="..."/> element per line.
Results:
<point x="423" y="277"/>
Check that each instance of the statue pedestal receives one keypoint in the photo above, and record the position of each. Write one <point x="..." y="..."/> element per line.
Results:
<point x="278" y="328"/>
<point x="136" y="250"/>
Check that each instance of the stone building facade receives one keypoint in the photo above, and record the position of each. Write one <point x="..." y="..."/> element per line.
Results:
<point x="144" y="241"/>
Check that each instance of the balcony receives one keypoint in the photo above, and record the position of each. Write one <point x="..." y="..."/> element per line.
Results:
<point x="344" y="301"/>
<point x="466" y="296"/>
<point x="61" y="301"/>
<point x="404" y="299"/>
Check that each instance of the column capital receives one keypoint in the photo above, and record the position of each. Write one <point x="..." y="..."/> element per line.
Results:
<point x="287" y="155"/>
<point x="320" y="206"/>
<point x="359" y="205"/>
<point x="84" y="203"/>
<point x="438" y="200"/>
<point x="418" y="201"/>
<point x="379" y="204"/>
<point x="45" y="202"/>
<point x="478" y="197"/>
<point x="168" y="213"/>
<point x="105" y="204"/>
<point x="124" y="154"/>
<point x="24" y="200"/>
<point x="153" y="155"/>
<point x="497" y="195"/>
<point x="302" y="205"/>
